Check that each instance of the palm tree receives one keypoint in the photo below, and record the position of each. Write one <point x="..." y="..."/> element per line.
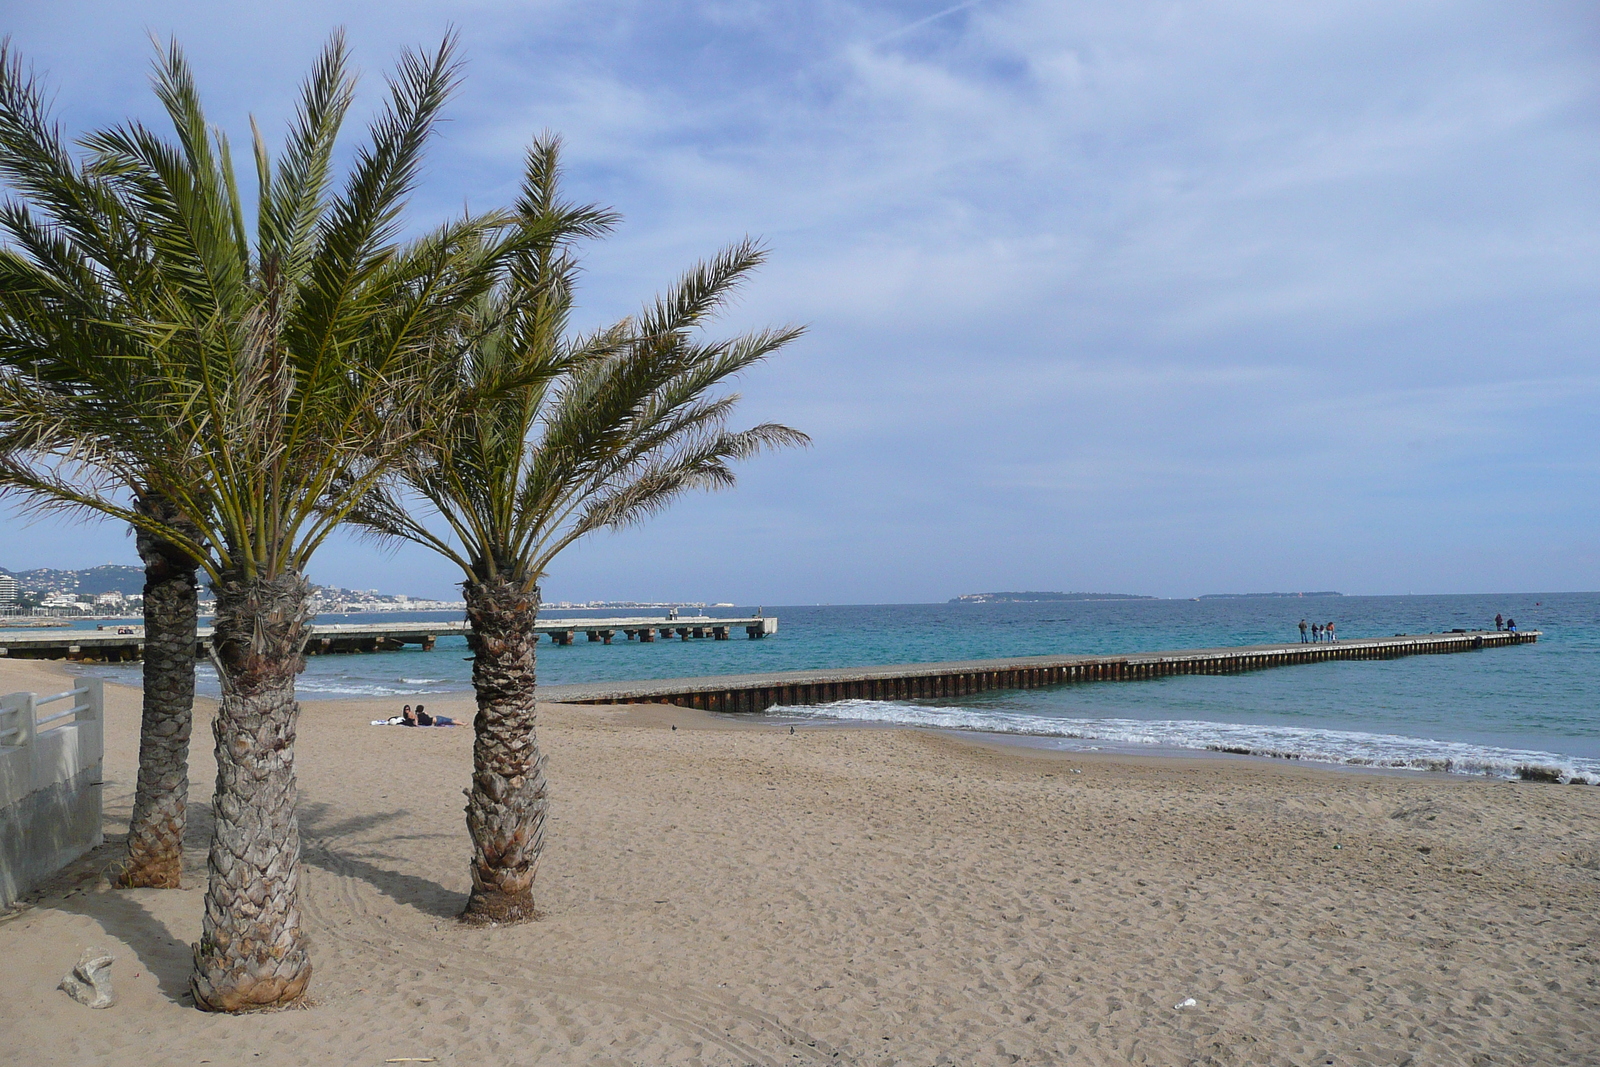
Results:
<point x="55" y="311"/>
<point x="595" y="433"/>
<point x="278" y="379"/>
<point x="171" y="620"/>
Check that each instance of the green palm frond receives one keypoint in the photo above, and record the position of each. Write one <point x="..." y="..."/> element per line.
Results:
<point x="293" y="197"/>
<point x="263" y="379"/>
<point x="547" y="437"/>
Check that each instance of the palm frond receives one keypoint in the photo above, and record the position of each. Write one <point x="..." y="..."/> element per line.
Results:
<point x="146" y="345"/>
<point x="542" y="437"/>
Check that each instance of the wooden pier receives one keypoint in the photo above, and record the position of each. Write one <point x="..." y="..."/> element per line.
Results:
<point x="122" y="643"/>
<point x="922" y="681"/>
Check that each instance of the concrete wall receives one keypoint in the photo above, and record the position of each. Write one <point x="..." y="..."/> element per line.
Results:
<point x="51" y="757"/>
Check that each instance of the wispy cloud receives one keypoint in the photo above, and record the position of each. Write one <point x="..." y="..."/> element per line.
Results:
<point x="1153" y="282"/>
<point x="912" y="27"/>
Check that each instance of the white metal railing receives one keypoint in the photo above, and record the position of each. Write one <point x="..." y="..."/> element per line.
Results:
<point x="72" y="712"/>
<point x="17" y="724"/>
<point x="50" y="778"/>
<point x="20" y="721"/>
<point x="36" y="750"/>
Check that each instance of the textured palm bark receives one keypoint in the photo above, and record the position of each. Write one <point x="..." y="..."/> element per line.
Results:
<point x="161" y="795"/>
<point x="252" y="953"/>
<point x="507" y="803"/>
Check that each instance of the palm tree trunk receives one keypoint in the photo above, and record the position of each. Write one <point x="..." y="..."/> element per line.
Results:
<point x="161" y="795"/>
<point x="507" y="803"/>
<point x="252" y="953"/>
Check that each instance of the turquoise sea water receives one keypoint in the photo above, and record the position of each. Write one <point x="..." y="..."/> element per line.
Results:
<point x="1481" y="712"/>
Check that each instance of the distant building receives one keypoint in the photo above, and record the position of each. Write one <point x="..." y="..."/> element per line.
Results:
<point x="8" y="589"/>
<point x="61" y="604"/>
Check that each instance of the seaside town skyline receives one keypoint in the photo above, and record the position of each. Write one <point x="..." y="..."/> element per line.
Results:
<point x="114" y="591"/>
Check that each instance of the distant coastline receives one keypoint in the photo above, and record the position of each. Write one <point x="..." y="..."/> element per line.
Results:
<point x="1264" y="596"/>
<point x="1051" y="597"/>
<point x="1040" y="598"/>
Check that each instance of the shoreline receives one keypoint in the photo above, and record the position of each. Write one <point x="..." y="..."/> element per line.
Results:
<point x="978" y="735"/>
<point x="727" y="893"/>
<point x="1544" y="772"/>
<point x="691" y="718"/>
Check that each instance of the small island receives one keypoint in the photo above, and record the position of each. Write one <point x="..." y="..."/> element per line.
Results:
<point x="1040" y="598"/>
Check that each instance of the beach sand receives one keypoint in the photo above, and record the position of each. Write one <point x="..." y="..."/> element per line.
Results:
<point x="730" y="893"/>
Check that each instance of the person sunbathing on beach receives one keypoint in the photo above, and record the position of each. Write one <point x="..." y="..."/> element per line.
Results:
<point x="420" y="717"/>
<point x="397" y="720"/>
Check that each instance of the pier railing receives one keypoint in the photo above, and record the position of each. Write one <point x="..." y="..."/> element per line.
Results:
<point x="51" y="755"/>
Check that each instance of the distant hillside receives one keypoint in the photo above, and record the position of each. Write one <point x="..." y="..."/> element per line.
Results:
<point x="92" y="581"/>
<point x="129" y="581"/>
<point x="1041" y="598"/>
<point x="1246" y="596"/>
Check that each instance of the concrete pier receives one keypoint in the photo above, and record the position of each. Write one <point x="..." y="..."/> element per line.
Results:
<point x="122" y="643"/>
<point x="758" y="692"/>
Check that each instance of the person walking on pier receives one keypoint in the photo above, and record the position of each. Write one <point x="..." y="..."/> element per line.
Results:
<point x="1316" y="633"/>
<point x="1303" y="638"/>
<point x="1511" y="626"/>
<point x="1328" y="629"/>
<point x="1499" y="622"/>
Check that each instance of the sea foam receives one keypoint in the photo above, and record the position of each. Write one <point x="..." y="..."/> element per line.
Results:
<point x="1348" y="747"/>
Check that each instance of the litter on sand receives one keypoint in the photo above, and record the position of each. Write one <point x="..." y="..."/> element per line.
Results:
<point x="89" y="983"/>
<point x="1186" y="1002"/>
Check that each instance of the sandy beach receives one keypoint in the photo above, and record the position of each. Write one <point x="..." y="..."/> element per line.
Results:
<point x="731" y="893"/>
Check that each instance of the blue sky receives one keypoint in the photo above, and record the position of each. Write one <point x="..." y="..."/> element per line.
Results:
<point x="1166" y="298"/>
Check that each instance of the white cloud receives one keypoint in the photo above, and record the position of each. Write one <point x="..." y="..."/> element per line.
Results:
<point x="1208" y="267"/>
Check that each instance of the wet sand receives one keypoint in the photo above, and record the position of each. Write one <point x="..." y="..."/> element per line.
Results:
<point x="730" y="893"/>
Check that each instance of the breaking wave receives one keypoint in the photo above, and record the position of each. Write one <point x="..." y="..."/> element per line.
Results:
<point x="1348" y="747"/>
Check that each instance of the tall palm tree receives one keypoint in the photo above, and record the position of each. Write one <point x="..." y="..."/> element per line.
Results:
<point x="281" y="374"/>
<point x="58" y="299"/>
<point x="171" y="608"/>
<point x="595" y="433"/>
